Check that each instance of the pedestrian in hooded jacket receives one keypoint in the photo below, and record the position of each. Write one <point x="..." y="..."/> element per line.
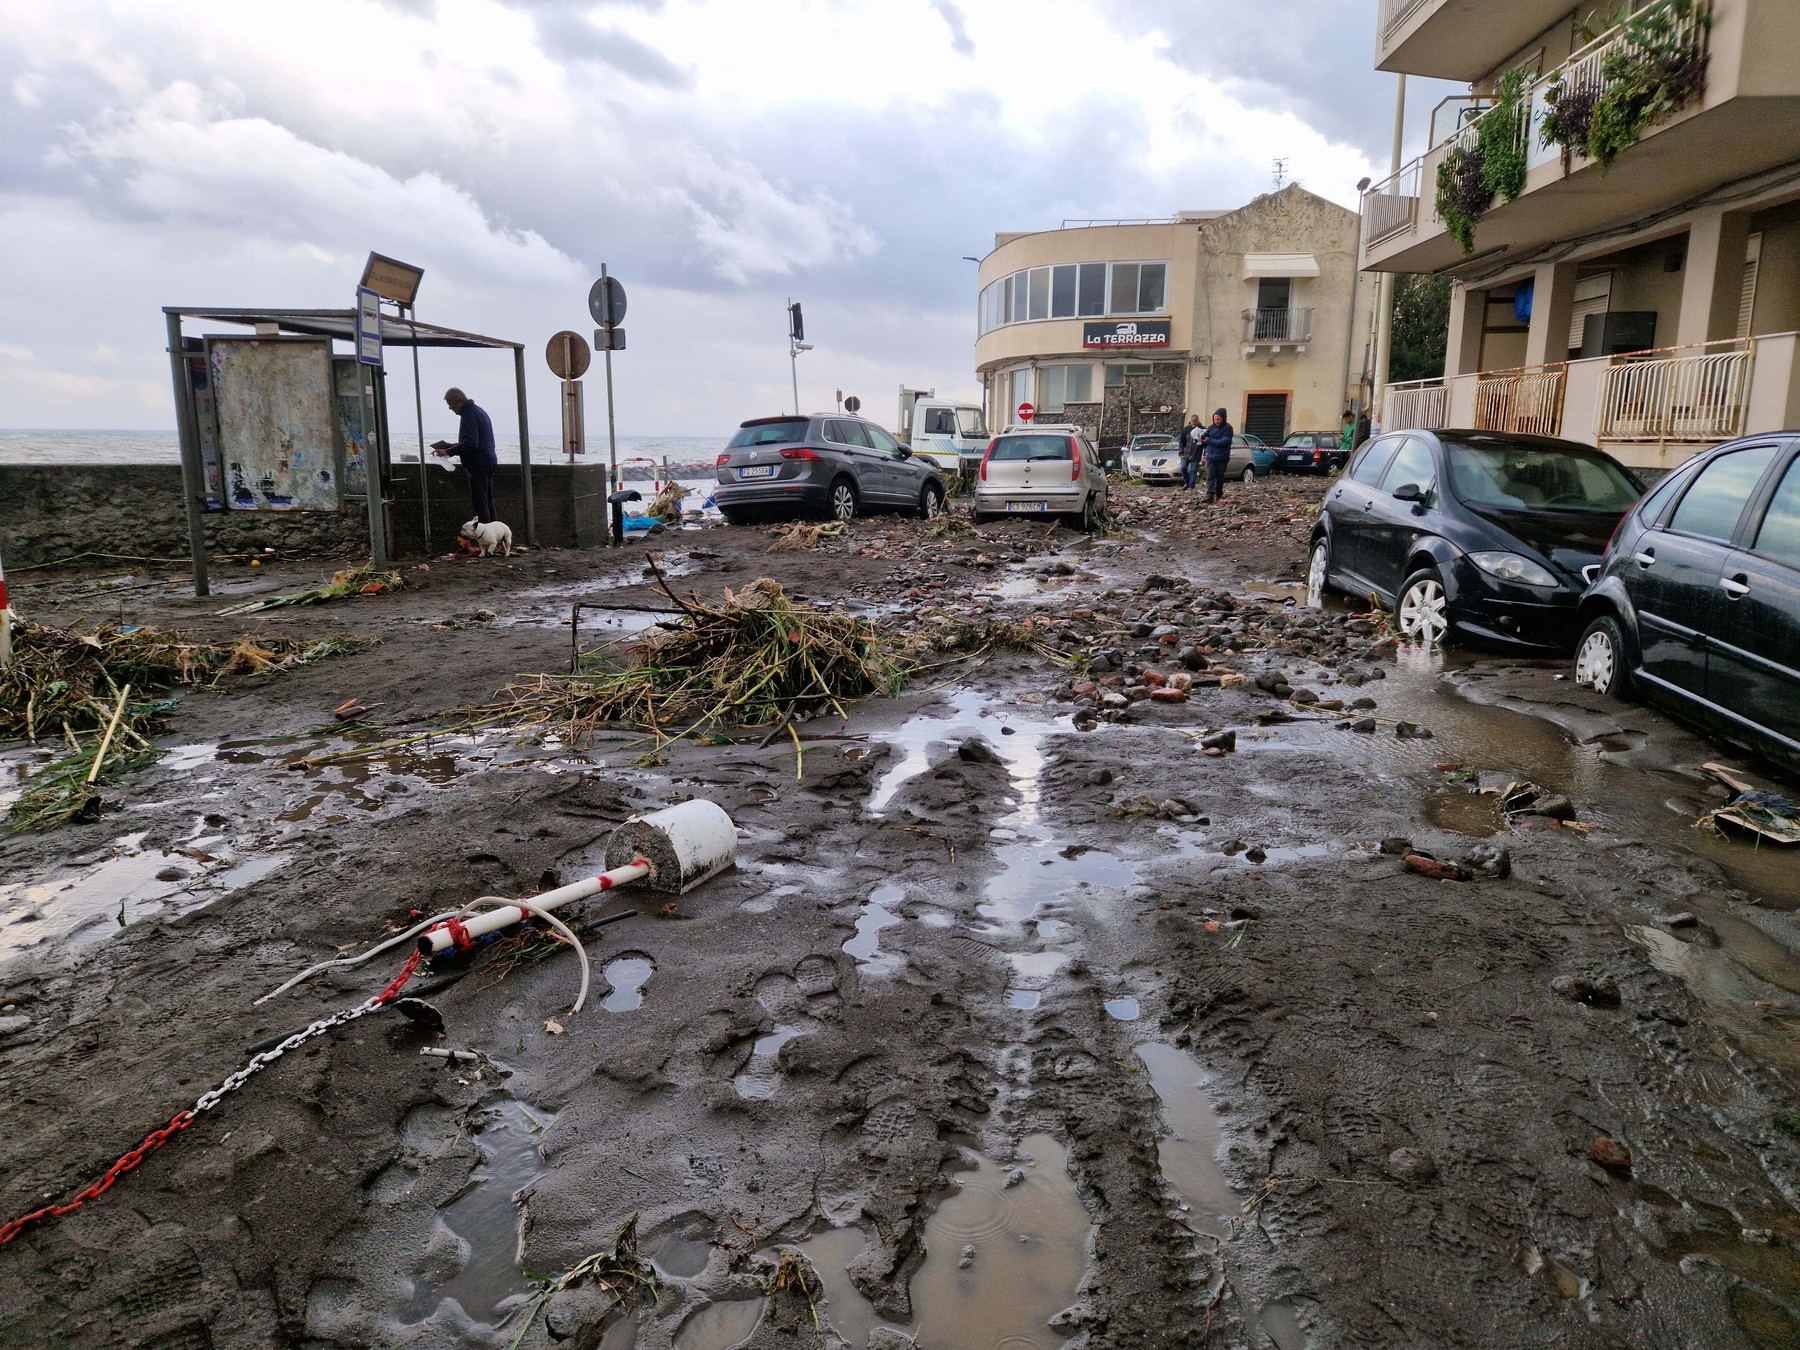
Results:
<point x="1189" y="443"/>
<point x="1217" y="441"/>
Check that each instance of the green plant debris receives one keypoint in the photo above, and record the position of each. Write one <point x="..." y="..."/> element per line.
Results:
<point x="351" y="581"/>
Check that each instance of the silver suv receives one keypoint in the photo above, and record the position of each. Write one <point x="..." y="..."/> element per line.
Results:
<point x="832" y="464"/>
<point x="1042" y="470"/>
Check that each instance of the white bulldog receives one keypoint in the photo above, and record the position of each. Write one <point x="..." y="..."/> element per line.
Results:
<point x="494" y="537"/>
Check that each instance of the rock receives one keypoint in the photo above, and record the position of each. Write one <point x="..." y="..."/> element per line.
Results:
<point x="1164" y="632"/>
<point x="13" y="1024"/>
<point x="1155" y="678"/>
<point x="1556" y="807"/>
<point x="1610" y="1154"/>
<point x="1156" y="581"/>
<point x="578" y="1314"/>
<point x="1255" y="854"/>
<point x="1412" y="731"/>
<point x="1244" y="912"/>
<point x="1362" y="703"/>
<point x="977" y="751"/>
<point x="1596" y="991"/>
<point x="1181" y="680"/>
<point x="1014" y="1177"/>
<point x="1682" y="920"/>
<point x="1222" y="741"/>
<point x="1083" y="689"/>
<point x="886" y="1338"/>
<point x="1099" y="777"/>
<point x="1304" y="696"/>
<point x="1213" y="752"/>
<point x="1435" y="868"/>
<point x="1168" y="695"/>
<point x="1192" y="657"/>
<point x="1101" y="664"/>
<point x="1490" y="860"/>
<point x="1112" y="700"/>
<point x="1364" y="726"/>
<point x="1270" y="681"/>
<point x="1396" y="845"/>
<point x="1411" y="1165"/>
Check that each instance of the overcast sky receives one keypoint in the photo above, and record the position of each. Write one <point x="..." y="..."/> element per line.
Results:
<point x="718" y="155"/>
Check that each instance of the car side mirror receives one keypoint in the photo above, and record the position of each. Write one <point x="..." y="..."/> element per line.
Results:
<point x="905" y="452"/>
<point x="1408" y="492"/>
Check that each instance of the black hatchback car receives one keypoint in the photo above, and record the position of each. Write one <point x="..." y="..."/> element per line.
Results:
<point x="831" y="464"/>
<point x="1471" y="534"/>
<point x="1697" y="602"/>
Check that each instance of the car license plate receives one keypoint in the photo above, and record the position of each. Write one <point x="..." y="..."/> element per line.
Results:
<point x="1025" y="506"/>
<point x="757" y="471"/>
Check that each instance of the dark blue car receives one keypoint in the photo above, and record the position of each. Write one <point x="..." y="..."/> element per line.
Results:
<point x="1472" y="535"/>
<point x="1696" y="604"/>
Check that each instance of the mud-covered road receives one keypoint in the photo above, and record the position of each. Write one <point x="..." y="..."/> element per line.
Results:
<point x="1026" y="1017"/>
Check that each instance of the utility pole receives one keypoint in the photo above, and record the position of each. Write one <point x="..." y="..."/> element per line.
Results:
<point x="796" y="345"/>
<point x="1384" y="295"/>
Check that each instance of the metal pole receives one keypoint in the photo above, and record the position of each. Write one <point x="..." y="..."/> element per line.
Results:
<point x="612" y="440"/>
<point x="193" y="474"/>
<point x="419" y="411"/>
<point x="5" y="621"/>
<point x="387" y="448"/>
<point x="793" y="356"/>
<point x="1384" y="296"/>
<point x="524" y="446"/>
<point x="373" y="479"/>
<point x="1355" y="285"/>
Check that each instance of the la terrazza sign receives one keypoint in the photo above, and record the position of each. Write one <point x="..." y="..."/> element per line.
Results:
<point x="1126" y="333"/>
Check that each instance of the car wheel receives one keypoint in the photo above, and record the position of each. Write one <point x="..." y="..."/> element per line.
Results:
<point x="1318" y="574"/>
<point x="1091" y="513"/>
<point x="1600" y="661"/>
<point x="843" y="500"/>
<point x="1423" y="614"/>
<point x="1250" y="474"/>
<point x="735" y="516"/>
<point x="931" y="502"/>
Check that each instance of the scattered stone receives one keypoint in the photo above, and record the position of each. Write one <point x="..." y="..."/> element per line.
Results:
<point x="1222" y="741"/>
<point x="1363" y="726"/>
<point x="966" y="1257"/>
<point x="1411" y="1165"/>
<point x="1099" y="777"/>
<point x="1168" y="695"/>
<point x="1193" y="658"/>
<point x="1610" y="1154"/>
<point x="1244" y="912"/>
<point x="1490" y="860"/>
<point x="977" y="751"/>
<point x="1412" y="731"/>
<point x="1395" y="844"/>
<point x="1156" y="581"/>
<point x="886" y="1338"/>
<point x="14" y="1024"/>
<point x="1555" y="806"/>
<point x="1303" y="696"/>
<point x="1255" y="854"/>
<point x="1113" y="700"/>
<point x="1181" y="680"/>
<point x="1015" y="1176"/>
<point x="1595" y="991"/>
<point x="1213" y="752"/>
<point x="1084" y="689"/>
<point x="1362" y="703"/>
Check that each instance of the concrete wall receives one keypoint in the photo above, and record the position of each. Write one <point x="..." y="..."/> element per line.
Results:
<point x="1778" y="273"/>
<point x="53" y="511"/>
<point x="570" y="502"/>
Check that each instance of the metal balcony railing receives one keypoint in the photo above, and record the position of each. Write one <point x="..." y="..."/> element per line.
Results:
<point x="1278" y="325"/>
<point x="1396" y="12"/>
<point x="1421" y="405"/>
<point x="1528" y="399"/>
<point x="1701" y="394"/>
<point x="1391" y="205"/>
<point x="1584" y="69"/>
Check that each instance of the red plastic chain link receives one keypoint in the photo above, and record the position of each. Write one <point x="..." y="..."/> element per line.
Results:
<point x="157" y="1138"/>
<point x="152" y="1141"/>
<point x="459" y="934"/>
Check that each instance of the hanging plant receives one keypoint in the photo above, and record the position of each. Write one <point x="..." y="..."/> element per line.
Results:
<point x="1463" y="194"/>
<point x="1655" y="68"/>
<point x="1500" y="134"/>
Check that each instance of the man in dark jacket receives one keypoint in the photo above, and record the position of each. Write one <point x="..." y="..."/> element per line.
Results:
<point x="1187" y="442"/>
<point x="475" y="447"/>
<point x="1217" y="440"/>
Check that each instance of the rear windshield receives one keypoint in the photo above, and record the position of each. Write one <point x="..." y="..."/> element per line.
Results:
<point x="1031" y="447"/>
<point x="782" y="432"/>
<point x="1513" y="476"/>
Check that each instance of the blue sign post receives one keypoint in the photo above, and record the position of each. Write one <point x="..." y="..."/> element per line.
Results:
<point x="368" y="326"/>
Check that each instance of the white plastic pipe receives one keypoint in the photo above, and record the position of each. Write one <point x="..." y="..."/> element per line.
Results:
<point x="506" y="915"/>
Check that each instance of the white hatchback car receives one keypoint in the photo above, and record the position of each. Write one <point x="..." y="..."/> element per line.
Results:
<point x="1042" y="470"/>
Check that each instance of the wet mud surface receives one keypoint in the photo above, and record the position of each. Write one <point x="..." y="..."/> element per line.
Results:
<point x="1025" y="1020"/>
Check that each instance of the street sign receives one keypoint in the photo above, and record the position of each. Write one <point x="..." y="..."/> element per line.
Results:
<point x="368" y="326"/>
<point x="796" y="324"/>
<point x="606" y="302"/>
<point x="568" y="355"/>
<point x="852" y="404"/>
<point x="392" y="279"/>
<point x="1025" y="412"/>
<point x="609" y="339"/>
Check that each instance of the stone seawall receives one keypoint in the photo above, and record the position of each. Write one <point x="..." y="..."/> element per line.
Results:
<point x="52" y="511"/>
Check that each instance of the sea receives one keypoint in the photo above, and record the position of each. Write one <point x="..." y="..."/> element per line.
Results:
<point x="640" y="457"/>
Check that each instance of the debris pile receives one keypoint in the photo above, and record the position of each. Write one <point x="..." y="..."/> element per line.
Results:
<point x="798" y="535"/>
<point x="351" y="581"/>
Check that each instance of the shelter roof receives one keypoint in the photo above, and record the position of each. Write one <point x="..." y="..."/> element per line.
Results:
<point x="341" y="324"/>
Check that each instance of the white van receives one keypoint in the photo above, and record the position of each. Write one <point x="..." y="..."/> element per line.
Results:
<point x="952" y="434"/>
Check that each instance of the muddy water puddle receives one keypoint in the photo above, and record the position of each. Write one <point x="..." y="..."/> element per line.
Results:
<point x="719" y="1326"/>
<point x="1005" y="1249"/>
<point x="760" y="1078"/>
<point x="486" y="1218"/>
<point x="878" y="912"/>
<point x="1189" y="1158"/>
<point x="626" y="976"/>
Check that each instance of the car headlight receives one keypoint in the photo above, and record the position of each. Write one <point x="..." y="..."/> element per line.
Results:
<point x="1512" y="567"/>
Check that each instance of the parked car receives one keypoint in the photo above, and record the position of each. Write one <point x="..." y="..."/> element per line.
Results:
<point x="835" y="464"/>
<point x="1251" y="458"/>
<point x="1143" y="449"/>
<point x="1471" y="534"/>
<point x="1041" y="470"/>
<point x="1696" y="605"/>
<point x="1311" y="452"/>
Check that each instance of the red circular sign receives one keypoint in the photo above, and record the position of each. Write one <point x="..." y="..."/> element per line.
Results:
<point x="1025" y="412"/>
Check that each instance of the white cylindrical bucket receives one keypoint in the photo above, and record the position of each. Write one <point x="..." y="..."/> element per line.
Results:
<point x="684" y="844"/>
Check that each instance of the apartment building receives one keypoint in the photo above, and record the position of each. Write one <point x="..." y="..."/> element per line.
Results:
<point x="1122" y="327"/>
<point x="1618" y="201"/>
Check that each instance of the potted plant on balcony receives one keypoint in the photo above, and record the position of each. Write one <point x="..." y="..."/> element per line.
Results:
<point x="1654" y="68"/>
<point x="1486" y="165"/>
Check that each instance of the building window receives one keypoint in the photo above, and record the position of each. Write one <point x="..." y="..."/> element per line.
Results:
<point x="1021" y="392"/>
<point x="1060" y="385"/>
<point x="1092" y="289"/>
<point x="1062" y="292"/>
<point x="1138" y="288"/>
<point x="1116" y="374"/>
<point x="1040" y="293"/>
<point x="1071" y="290"/>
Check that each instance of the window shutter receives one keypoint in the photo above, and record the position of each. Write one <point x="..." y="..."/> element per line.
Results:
<point x="1593" y="295"/>
<point x="1747" y="297"/>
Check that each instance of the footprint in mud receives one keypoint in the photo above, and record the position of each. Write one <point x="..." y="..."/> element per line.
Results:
<point x="789" y="1001"/>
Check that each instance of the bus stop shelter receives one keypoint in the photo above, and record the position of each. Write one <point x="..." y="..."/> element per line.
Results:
<point x="277" y="419"/>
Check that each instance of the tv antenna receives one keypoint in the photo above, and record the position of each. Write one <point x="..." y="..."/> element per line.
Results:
<point x="1280" y="173"/>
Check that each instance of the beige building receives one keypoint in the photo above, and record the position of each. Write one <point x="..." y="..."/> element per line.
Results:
<point x="1123" y="327"/>
<point x="1650" y="304"/>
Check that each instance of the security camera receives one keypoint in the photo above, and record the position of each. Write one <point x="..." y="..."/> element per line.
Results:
<point x="803" y="346"/>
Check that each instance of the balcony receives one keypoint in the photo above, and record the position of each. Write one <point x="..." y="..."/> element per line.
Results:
<point x="1458" y="39"/>
<point x="1277" y="329"/>
<point x="1745" y="120"/>
<point x="1648" y="408"/>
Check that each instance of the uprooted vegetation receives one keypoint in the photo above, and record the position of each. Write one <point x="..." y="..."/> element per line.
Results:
<point x="100" y="693"/>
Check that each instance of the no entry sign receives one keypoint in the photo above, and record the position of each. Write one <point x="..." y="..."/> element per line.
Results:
<point x="1025" y="412"/>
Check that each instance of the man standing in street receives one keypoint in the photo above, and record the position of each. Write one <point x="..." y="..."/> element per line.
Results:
<point x="475" y="447"/>
<point x="1217" y="441"/>
<point x="1187" y="441"/>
